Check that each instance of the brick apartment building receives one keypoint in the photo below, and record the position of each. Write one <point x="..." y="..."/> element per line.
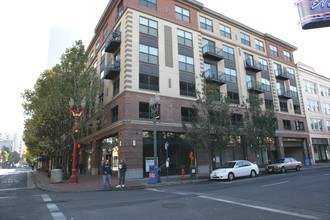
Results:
<point x="144" y="47"/>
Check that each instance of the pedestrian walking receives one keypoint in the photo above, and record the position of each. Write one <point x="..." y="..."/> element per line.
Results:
<point x="122" y="172"/>
<point x="106" y="174"/>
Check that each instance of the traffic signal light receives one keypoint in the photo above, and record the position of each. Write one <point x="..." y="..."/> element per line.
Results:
<point x="78" y="145"/>
<point x="76" y="134"/>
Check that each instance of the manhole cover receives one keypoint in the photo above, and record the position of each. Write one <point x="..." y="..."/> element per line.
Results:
<point x="173" y="205"/>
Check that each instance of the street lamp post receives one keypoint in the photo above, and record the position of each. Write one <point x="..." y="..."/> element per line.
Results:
<point x="76" y="113"/>
<point x="154" y="111"/>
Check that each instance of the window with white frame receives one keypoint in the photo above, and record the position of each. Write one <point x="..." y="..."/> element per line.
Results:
<point x="245" y="39"/>
<point x="225" y="31"/>
<point x="277" y="69"/>
<point x="326" y="108"/>
<point x="287" y="56"/>
<point x="184" y="38"/>
<point x="325" y="92"/>
<point x="309" y="87"/>
<point x="316" y="124"/>
<point x="186" y="63"/>
<point x="328" y="125"/>
<point x="290" y="72"/>
<point x="265" y="84"/>
<point x="182" y="14"/>
<point x="313" y="105"/>
<point x="263" y="64"/>
<point x="206" y="23"/>
<point x="148" y="26"/>
<point x="273" y="50"/>
<point x="148" y="54"/>
<point x="293" y="91"/>
<point x="260" y="45"/>
<point x="230" y="75"/>
<point x="228" y="53"/>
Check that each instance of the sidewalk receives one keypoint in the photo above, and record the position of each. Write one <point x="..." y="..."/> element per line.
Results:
<point x="88" y="182"/>
<point x="91" y="183"/>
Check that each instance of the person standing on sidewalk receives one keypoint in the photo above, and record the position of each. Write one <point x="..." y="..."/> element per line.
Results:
<point x="106" y="174"/>
<point x="122" y="172"/>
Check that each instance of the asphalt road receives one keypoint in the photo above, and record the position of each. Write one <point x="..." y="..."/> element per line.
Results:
<point x="294" y="195"/>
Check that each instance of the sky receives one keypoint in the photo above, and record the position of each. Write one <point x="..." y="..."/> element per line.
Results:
<point x="27" y="48"/>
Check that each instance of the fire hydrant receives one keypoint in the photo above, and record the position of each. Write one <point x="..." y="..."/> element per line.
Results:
<point x="183" y="173"/>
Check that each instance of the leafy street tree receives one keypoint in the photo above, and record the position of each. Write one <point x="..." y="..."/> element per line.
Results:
<point x="210" y="127"/>
<point x="5" y="153"/>
<point x="259" y="126"/>
<point x="48" y="128"/>
<point x="13" y="157"/>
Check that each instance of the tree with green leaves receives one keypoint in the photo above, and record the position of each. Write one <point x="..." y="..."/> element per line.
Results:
<point x="259" y="125"/>
<point x="210" y="128"/>
<point x="48" y="128"/>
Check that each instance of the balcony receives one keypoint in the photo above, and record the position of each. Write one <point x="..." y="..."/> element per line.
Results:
<point x="255" y="87"/>
<point x="285" y="94"/>
<point x="282" y="74"/>
<point x="112" y="70"/>
<point x="213" y="76"/>
<point x="213" y="53"/>
<point x="252" y="65"/>
<point x="113" y="42"/>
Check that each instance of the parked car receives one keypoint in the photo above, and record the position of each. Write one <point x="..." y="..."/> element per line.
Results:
<point x="288" y="163"/>
<point x="233" y="169"/>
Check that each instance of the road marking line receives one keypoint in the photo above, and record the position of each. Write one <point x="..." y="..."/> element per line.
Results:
<point x="46" y="198"/>
<point x="263" y="208"/>
<point x="11" y="189"/>
<point x="52" y="207"/>
<point x="58" y="216"/>
<point x="328" y="174"/>
<point x="274" y="184"/>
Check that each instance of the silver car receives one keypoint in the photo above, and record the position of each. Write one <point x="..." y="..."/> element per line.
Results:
<point x="288" y="163"/>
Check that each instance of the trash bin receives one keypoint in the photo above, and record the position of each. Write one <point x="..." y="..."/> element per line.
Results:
<point x="56" y="176"/>
<point x="153" y="174"/>
<point x="192" y="173"/>
<point x="307" y="162"/>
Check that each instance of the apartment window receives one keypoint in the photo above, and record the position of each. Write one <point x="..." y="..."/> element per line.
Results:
<point x="293" y="91"/>
<point x="152" y="4"/>
<point x="206" y="23"/>
<point x="114" y="114"/>
<point x="225" y="31"/>
<point x="245" y="39"/>
<point x="233" y="97"/>
<point x="230" y="75"/>
<point x="148" y="54"/>
<point x="187" y="88"/>
<point x="260" y="45"/>
<point x="273" y="50"/>
<point x="105" y="32"/>
<point x="210" y="71"/>
<point x="287" y="124"/>
<point x="269" y="104"/>
<point x="186" y="63"/>
<point x="287" y="56"/>
<point x="299" y="125"/>
<point x="182" y="14"/>
<point x="284" y="106"/>
<point x="148" y="26"/>
<point x="313" y="105"/>
<point x="316" y="124"/>
<point x="237" y="119"/>
<point x="309" y="87"/>
<point x="277" y="69"/>
<point x="120" y="10"/>
<point x="326" y="108"/>
<point x="228" y="53"/>
<point x="115" y="89"/>
<point x="144" y="110"/>
<point x="149" y="82"/>
<point x="290" y="73"/>
<point x="263" y="64"/>
<point x="325" y="92"/>
<point x="208" y="46"/>
<point x="297" y="109"/>
<point x="187" y="114"/>
<point x="184" y="38"/>
<point x="265" y="84"/>
<point x="328" y="125"/>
